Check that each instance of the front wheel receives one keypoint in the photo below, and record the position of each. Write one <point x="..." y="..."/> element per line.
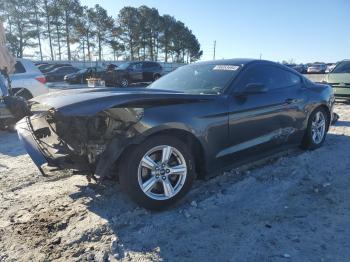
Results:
<point x="158" y="172"/>
<point x="316" y="130"/>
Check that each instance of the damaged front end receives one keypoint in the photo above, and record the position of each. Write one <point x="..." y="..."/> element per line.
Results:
<point x="87" y="144"/>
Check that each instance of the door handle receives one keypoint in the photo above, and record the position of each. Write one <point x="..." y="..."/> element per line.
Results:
<point x="291" y="100"/>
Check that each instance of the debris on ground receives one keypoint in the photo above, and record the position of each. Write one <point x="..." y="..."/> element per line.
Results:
<point x="295" y="208"/>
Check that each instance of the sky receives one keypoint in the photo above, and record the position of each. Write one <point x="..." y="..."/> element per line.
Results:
<point x="305" y="31"/>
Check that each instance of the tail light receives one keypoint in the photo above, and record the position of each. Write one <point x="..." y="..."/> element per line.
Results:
<point x="41" y="79"/>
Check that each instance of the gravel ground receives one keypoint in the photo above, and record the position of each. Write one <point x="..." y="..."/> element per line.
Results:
<point x="293" y="208"/>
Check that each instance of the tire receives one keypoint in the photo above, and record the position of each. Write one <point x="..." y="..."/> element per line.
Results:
<point x="124" y="82"/>
<point x="2" y="125"/>
<point x="156" y="193"/>
<point x="156" y="77"/>
<point x="309" y="141"/>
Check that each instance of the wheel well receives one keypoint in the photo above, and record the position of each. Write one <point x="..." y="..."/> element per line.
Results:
<point x="184" y="136"/>
<point x="193" y="144"/>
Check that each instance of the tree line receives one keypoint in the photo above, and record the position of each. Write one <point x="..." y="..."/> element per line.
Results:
<point x="68" y="30"/>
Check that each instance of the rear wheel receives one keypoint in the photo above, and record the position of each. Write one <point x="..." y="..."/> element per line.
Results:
<point x="317" y="129"/>
<point x="156" y="77"/>
<point x="158" y="172"/>
<point x="124" y="82"/>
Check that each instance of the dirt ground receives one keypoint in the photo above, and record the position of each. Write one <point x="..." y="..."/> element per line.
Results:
<point x="295" y="208"/>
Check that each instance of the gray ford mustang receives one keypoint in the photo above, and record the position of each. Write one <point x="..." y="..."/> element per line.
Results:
<point x="189" y="123"/>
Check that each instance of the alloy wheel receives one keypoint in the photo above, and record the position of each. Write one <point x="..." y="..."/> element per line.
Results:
<point x="162" y="172"/>
<point x="318" y="127"/>
<point x="124" y="82"/>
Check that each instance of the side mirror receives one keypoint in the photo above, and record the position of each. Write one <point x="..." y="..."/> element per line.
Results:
<point x="254" y="88"/>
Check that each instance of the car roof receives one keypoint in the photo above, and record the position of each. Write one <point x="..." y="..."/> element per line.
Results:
<point x="58" y="68"/>
<point x="234" y="61"/>
<point x="244" y="62"/>
<point x="64" y="67"/>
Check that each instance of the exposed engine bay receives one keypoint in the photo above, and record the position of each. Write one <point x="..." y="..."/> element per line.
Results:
<point x="77" y="142"/>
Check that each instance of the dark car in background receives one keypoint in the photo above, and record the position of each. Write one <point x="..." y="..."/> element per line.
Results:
<point x="302" y="69"/>
<point x="81" y="76"/>
<point x="133" y="72"/>
<point x="45" y="68"/>
<point x="58" y="74"/>
<point x="192" y="121"/>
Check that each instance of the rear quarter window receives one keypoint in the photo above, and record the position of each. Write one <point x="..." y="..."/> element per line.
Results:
<point x="19" y="68"/>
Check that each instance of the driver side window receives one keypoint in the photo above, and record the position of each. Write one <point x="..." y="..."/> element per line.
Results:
<point x="136" y="66"/>
<point x="258" y="74"/>
<point x="272" y="77"/>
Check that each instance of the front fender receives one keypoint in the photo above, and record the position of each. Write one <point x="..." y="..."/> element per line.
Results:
<point x="117" y="146"/>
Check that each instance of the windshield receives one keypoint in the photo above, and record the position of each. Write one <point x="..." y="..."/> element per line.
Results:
<point x="124" y="66"/>
<point x="82" y="71"/>
<point x="343" y="67"/>
<point x="198" y="79"/>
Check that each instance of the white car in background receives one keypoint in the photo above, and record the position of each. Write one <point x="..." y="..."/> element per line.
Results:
<point x="317" y="68"/>
<point x="27" y="80"/>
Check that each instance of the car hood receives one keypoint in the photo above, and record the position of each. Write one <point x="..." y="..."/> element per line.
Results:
<point x="89" y="101"/>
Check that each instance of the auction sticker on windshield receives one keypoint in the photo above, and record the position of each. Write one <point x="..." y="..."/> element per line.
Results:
<point x="226" y="67"/>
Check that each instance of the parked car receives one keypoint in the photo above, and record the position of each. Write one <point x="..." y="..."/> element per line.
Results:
<point x="317" y="69"/>
<point x="133" y="72"/>
<point x="58" y="74"/>
<point x="81" y="76"/>
<point x="190" y="122"/>
<point x="37" y="64"/>
<point x="50" y="67"/>
<point x="27" y="81"/>
<point x="300" y="68"/>
<point x="339" y="79"/>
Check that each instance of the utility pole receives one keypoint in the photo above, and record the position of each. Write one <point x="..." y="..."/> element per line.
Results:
<point x="214" y="49"/>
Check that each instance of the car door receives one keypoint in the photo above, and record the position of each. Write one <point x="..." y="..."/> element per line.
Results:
<point x="147" y="71"/>
<point x="136" y="73"/>
<point x="263" y="118"/>
<point x="61" y="72"/>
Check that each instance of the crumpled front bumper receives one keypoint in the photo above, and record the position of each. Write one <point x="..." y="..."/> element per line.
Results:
<point x="26" y="135"/>
<point x="47" y="150"/>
